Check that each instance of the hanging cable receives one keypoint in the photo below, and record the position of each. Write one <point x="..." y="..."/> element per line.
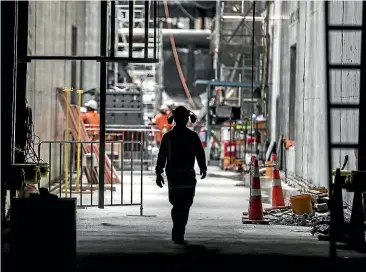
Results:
<point x="199" y="5"/>
<point x="31" y="139"/>
<point x="176" y="58"/>
<point x="184" y="10"/>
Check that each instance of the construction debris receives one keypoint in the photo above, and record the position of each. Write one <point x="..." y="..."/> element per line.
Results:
<point x="287" y="217"/>
<point x="319" y="219"/>
<point x="321" y="207"/>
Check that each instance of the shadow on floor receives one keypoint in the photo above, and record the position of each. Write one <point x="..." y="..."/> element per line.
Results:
<point x="204" y="262"/>
<point x="196" y="249"/>
<point x="197" y="258"/>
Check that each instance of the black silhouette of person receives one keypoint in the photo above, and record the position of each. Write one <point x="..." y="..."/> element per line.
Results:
<point x="178" y="151"/>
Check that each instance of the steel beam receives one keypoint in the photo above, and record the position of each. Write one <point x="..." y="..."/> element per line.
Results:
<point x="113" y="28"/>
<point x="130" y="27"/>
<point x="102" y="102"/>
<point x="96" y="58"/>
<point x="21" y="77"/>
<point x="146" y="28"/>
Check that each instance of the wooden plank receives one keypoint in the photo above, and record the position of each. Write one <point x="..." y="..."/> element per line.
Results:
<point x="74" y="115"/>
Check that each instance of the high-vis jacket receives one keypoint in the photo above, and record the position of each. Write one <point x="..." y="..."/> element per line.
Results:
<point x="178" y="151"/>
<point x="91" y="118"/>
<point x="161" y="121"/>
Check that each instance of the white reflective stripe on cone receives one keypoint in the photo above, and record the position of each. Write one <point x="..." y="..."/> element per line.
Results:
<point x="276" y="182"/>
<point x="256" y="172"/>
<point x="256" y="192"/>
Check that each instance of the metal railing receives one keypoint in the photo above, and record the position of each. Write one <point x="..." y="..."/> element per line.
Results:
<point x="77" y="175"/>
<point x="144" y="133"/>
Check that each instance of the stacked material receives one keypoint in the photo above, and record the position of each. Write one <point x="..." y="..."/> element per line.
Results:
<point x="91" y="174"/>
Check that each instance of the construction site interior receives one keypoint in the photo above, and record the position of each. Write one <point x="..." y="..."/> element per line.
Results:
<point x="275" y="87"/>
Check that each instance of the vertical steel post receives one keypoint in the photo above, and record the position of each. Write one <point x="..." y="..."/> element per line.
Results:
<point x="332" y="242"/>
<point x="155" y="26"/>
<point x="113" y="43"/>
<point x="253" y="64"/>
<point x="146" y="29"/>
<point x="362" y="109"/>
<point x="141" y="184"/>
<point x="78" y="174"/>
<point x="60" y="168"/>
<point x="122" y="156"/>
<point x="130" y="27"/>
<point x="112" y="173"/>
<point x="208" y="124"/>
<point x="103" y="93"/>
<point x="217" y="40"/>
<point x="113" y="29"/>
<point x="49" y="165"/>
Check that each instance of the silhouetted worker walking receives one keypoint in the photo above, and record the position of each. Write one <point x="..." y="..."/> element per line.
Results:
<point x="178" y="150"/>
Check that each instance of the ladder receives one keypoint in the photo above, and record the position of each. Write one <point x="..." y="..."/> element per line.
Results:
<point x="361" y="107"/>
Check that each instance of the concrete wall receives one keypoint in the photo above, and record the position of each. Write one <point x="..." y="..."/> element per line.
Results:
<point x="306" y="161"/>
<point x="50" y="32"/>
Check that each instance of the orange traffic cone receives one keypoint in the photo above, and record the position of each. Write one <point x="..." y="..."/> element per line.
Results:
<point x="277" y="193"/>
<point x="255" y="204"/>
<point x="255" y="212"/>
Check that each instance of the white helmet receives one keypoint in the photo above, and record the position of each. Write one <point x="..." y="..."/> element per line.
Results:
<point x="92" y="104"/>
<point x="163" y="107"/>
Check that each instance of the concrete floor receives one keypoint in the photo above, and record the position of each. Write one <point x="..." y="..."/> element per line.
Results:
<point x="214" y="227"/>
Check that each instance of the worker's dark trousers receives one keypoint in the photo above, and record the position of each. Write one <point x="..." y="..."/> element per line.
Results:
<point x="182" y="200"/>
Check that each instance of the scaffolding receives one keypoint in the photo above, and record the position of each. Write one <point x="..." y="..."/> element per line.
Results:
<point x="238" y="46"/>
<point x="144" y="75"/>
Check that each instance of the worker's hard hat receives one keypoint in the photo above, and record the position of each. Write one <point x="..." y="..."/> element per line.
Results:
<point x="92" y="104"/>
<point x="163" y="107"/>
<point x="181" y="112"/>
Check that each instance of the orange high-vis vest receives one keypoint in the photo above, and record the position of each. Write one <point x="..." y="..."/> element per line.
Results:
<point x="161" y="122"/>
<point x="91" y="118"/>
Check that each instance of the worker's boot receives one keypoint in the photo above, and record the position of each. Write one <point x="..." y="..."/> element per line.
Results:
<point x="177" y="235"/>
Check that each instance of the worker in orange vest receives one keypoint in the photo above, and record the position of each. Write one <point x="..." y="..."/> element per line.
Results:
<point x="161" y="123"/>
<point x="168" y="126"/>
<point x="180" y="148"/>
<point x="91" y="117"/>
<point x="171" y="107"/>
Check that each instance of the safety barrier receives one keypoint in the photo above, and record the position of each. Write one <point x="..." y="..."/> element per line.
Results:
<point x="76" y="174"/>
<point x="143" y="133"/>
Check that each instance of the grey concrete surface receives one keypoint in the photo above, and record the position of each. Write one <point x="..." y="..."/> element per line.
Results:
<point x="50" y="33"/>
<point x="215" y="224"/>
<point x="307" y="160"/>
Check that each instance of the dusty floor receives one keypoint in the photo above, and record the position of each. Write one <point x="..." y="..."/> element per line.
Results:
<point x="117" y="238"/>
<point x="215" y="224"/>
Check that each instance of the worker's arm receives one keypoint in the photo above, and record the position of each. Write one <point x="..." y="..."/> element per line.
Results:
<point x="162" y="156"/>
<point x="200" y="153"/>
<point x="84" y="117"/>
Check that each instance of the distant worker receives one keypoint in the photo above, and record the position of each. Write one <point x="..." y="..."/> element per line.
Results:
<point x="161" y="123"/>
<point x="171" y="106"/>
<point x="178" y="151"/>
<point x="91" y="118"/>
